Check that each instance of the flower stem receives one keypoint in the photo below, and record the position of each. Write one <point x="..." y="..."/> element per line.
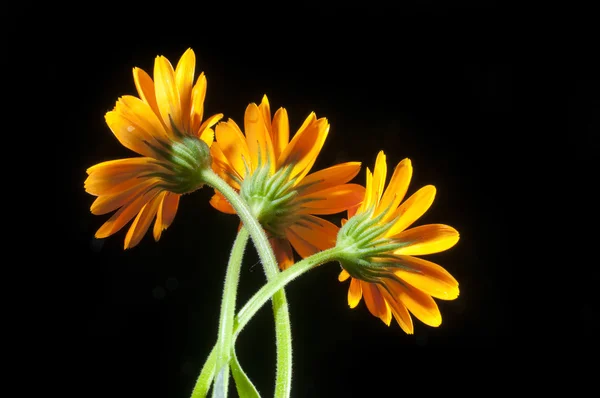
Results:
<point x="255" y="303"/>
<point x="283" y="330"/>
<point x="224" y="340"/>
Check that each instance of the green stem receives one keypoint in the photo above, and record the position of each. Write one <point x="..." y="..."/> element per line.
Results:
<point x="258" y="300"/>
<point x="224" y="340"/>
<point x="283" y="330"/>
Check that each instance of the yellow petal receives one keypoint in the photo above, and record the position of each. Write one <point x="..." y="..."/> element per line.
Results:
<point x="145" y="88"/>
<point x="107" y="203"/>
<point x="427" y="239"/>
<point x="329" y="177"/>
<point x="304" y="148"/>
<point x="184" y="78"/>
<point x="333" y="200"/>
<point x="428" y="277"/>
<point x="399" y="312"/>
<point x="126" y="213"/>
<point x="206" y="125"/>
<point x="354" y="293"/>
<point x="420" y="304"/>
<point x="375" y="302"/>
<point x="368" y="200"/>
<point x="167" y="95"/>
<point x="222" y="167"/>
<point x="110" y="177"/>
<point x="265" y="110"/>
<point x="283" y="253"/>
<point x="258" y="138"/>
<point x="141" y="115"/>
<point x="396" y="189"/>
<point x="198" y="95"/>
<point x="233" y="144"/>
<point x="140" y="225"/>
<point x="130" y="135"/>
<point x="379" y="178"/>
<point x="412" y="209"/>
<point x="280" y="129"/>
<point x="312" y="236"/>
<point x="219" y="202"/>
<point x="343" y="275"/>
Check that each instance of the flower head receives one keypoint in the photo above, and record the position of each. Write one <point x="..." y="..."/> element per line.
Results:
<point x="165" y="126"/>
<point x="380" y="260"/>
<point x="271" y="172"/>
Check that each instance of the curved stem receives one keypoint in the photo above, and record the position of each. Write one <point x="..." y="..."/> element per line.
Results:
<point x="283" y="330"/>
<point x="224" y="340"/>
<point x="259" y="299"/>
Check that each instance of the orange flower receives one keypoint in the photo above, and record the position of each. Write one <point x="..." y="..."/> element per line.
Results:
<point x="271" y="174"/>
<point x="382" y="267"/>
<point x="165" y="126"/>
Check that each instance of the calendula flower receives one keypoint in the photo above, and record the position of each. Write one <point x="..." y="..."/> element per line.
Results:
<point x="380" y="257"/>
<point x="165" y="126"/>
<point x="271" y="173"/>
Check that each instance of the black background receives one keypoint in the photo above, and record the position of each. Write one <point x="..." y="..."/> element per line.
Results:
<point x="479" y="97"/>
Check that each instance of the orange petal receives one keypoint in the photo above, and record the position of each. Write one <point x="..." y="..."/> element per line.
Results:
<point x="312" y="236"/>
<point x="126" y="213"/>
<point x="427" y="239"/>
<point x="396" y="189"/>
<point x="333" y="200"/>
<point x="343" y="275"/>
<point x="304" y="148"/>
<point x="329" y="177"/>
<point x="283" y="253"/>
<point x="130" y="135"/>
<point x="354" y="293"/>
<point x="233" y="144"/>
<point x="167" y="95"/>
<point x="206" y="125"/>
<point x="107" y="203"/>
<point x="145" y="88"/>
<point x="222" y="167"/>
<point x="198" y="95"/>
<point x="399" y="312"/>
<point x="412" y="209"/>
<point x="219" y="202"/>
<point x="140" y="225"/>
<point x="166" y="213"/>
<point x="258" y="138"/>
<point x="420" y="304"/>
<point x="141" y="115"/>
<point x="280" y="133"/>
<point x="379" y="178"/>
<point x="368" y="200"/>
<point x="184" y="78"/>
<point x="375" y="302"/>
<point x="107" y="177"/>
<point x="428" y="277"/>
<point x="265" y="110"/>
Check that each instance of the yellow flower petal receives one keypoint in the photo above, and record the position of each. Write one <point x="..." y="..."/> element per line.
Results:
<point x="280" y="133"/>
<point x="379" y="178"/>
<point x="333" y="200"/>
<point x="145" y="88"/>
<point x="265" y="110"/>
<point x="375" y="302"/>
<point x="130" y="135"/>
<point x="329" y="177"/>
<point x="354" y="293"/>
<point x="421" y="305"/>
<point x="233" y="144"/>
<point x="258" y="138"/>
<point x="412" y="209"/>
<point x="219" y="202"/>
<point x="427" y="239"/>
<point x="399" y="312"/>
<point x="428" y="277"/>
<point x="167" y="96"/>
<point x="126" y="213"/>
<point x="198" y="96"/>
<point x="184" y="78"/>
<point x="368" y="200"/>
<point x="396" y="190"/>
<point x="304" y="148"/>
<point x="343" y="275"/>
<point x="312" y="236"/>
<point x="283" y="253"/>
<point x="140" y="225"/>
<point x="107" y="203"/>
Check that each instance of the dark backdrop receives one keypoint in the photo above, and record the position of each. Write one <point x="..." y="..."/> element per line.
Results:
<point x="473" y="100"/>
